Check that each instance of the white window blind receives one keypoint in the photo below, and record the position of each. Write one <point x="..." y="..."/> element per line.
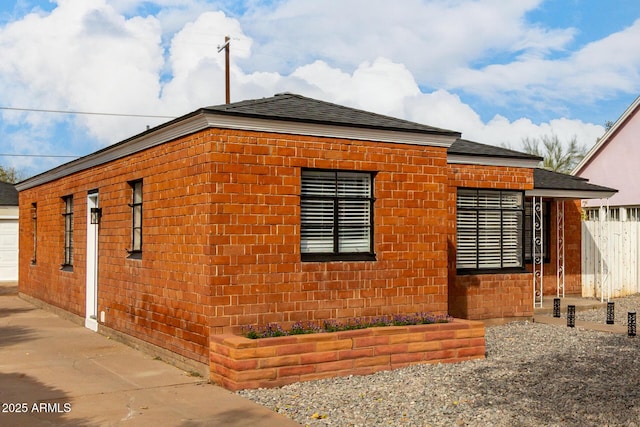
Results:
<point x="336" y="212"/>
<point x="489" y="229"/>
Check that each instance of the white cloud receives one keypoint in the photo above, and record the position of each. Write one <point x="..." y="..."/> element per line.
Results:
<point x="600" y="69"/>
<point x="98" y="55"/>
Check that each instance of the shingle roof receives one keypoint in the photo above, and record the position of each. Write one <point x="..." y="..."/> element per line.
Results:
<point x="293" y="107"/>
<point x="560" y="184"/>
<point x="8" y="194"/>
<point x="470" y="148"/>
<point x="549" y="180"/>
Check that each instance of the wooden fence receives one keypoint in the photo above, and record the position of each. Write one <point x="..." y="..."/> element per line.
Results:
<point x="610" y="258"/>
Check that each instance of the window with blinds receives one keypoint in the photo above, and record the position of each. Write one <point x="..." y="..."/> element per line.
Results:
<point x="336" y="209"/>
<point x="489" y="230"/>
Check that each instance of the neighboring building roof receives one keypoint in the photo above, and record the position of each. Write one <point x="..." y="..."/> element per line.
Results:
<point x="547" y="183"/>
<point x="8" y="194"/>
<point x="602" y="142"/>
<point x="298" y="108"/>
<point x="464" y="151"/>
<point x="284" y="113"/>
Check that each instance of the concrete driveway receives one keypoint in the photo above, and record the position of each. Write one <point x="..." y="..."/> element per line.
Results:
<point x="53" y="372"/>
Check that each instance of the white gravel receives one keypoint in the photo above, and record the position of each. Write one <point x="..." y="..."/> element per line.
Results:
<point x="534" y="375"/>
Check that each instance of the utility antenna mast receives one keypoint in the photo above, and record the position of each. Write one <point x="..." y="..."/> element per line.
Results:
<point x="225" y="46"/>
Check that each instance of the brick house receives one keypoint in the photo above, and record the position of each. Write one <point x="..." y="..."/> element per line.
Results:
<point x="281" y="209"/>
<point x="498" y="281"/>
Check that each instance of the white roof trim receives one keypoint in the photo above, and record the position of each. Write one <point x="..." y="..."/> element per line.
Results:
<point x="194" y="123"/>
<point x="605" y="138"/>
<point x="569" y="194"/>
<point x="491" y="161"/>
<point x="331" y="131"/>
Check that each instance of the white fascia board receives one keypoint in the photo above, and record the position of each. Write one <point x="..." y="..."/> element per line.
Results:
<point x="569" y="194"/>
<point x="491" y="161"/>
<point x="330" y="131"/>
<point x="198" y="122"/>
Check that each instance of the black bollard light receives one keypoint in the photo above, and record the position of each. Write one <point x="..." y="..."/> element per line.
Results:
<point x="571" y="316"/>
<point x="631" y="322"/>
<point x="556" y="307"/>
<point x="610" y="313"/>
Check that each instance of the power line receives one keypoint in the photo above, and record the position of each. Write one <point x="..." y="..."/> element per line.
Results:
<point x="86" y="113"/>
<point x="36" y="155"/>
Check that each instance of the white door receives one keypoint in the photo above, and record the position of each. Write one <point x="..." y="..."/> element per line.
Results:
<point x="91" y="312"/>
<point x="8" y="249"/>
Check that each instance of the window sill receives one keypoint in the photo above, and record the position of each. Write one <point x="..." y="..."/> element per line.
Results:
<point x="338" y="257"/>
<point x="135" y="255"/>
<point x="66" y="267"/>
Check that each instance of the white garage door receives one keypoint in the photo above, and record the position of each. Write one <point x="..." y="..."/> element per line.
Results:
<point x="8" y="249"/>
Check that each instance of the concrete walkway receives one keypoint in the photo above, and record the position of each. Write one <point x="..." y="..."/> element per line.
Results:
<point x="57" y="373"/>
<point x="545" y="314"/>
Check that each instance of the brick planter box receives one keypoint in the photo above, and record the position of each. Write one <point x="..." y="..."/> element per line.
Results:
<point x="239" y="363"/>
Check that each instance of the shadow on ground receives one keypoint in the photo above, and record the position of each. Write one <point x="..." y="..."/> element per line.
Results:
<point x="28" y="402"/>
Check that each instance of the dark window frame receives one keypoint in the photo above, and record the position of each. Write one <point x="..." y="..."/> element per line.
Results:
<point x="136" y="206"/>
<point x="478" y="269"/>
<point x="34" y="224"/>
<point x="337" y="225"/>
<point x="67" y="215"/>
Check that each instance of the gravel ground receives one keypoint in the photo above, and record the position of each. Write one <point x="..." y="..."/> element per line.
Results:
<point x="534" y="375"/>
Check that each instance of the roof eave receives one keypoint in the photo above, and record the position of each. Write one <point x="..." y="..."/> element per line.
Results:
<point x="492" y="161"/>
<point x="569" y="194"/>
<point x="203" y="118"/>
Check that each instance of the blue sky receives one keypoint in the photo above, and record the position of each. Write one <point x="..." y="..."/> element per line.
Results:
<point x="498" y="71"/>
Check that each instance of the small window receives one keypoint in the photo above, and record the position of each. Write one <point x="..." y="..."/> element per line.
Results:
<point x="68" y="232"/>
<point x="489" y="230"/>
<point x="136" y="222"/>
<point x="336" y="210"/>
<point x="34" y="228"/>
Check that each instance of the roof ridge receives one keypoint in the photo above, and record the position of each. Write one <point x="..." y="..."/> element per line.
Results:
<point x="289" y="106"/>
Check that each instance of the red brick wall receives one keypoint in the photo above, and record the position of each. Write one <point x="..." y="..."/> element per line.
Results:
<point x="240" y="363"/>
<point x="489" y="296"/>
<point x="164" y="298"/>
<point x="485" y="296"/>
<point x="259" y="277"/>
<point x="221" y="233"/>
